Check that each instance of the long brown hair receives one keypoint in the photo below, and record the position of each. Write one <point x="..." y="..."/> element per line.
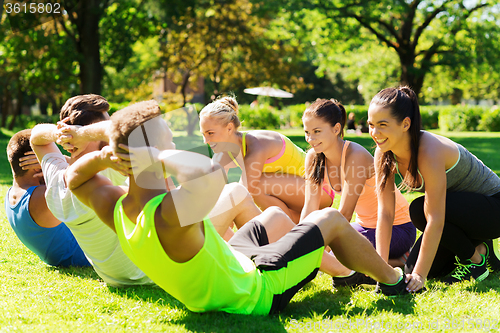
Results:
<point x="332" y="112"/>
<point x="402" y="102"/>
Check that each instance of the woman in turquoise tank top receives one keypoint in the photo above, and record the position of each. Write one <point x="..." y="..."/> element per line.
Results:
<point x="272" y="165"/>
<point x="458" y="214"/>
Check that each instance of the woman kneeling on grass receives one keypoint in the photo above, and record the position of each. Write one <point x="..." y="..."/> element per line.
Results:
<point x="273" y="165"/>
<point x="346" y="168"/>
<point x="458" y="214"/>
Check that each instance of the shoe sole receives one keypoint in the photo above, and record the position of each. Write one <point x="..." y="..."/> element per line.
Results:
<point x="495" y="252"/>
<point x="483" y="276"/>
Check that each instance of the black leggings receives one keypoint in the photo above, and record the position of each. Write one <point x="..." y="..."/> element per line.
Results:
<point x="470" y="219"/>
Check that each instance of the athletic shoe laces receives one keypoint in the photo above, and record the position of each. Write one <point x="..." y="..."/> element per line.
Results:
<point x="461" y="270"/>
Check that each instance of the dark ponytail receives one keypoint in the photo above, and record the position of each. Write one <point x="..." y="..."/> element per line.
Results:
<point x="332" y="112"/>
<point x="402" y="102"/>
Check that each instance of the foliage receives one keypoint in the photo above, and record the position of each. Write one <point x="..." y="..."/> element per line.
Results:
<point x="230" y="45"/>
<point x="113" y="106"/>
<point x="293" y="115"/>
<point x="472" y="71"/>
<point x="261" y="116"/>
<point x="134" y="82"/>
<point x="36" y="64"/>
<point x="430" y="116"/>
<point x="460" y="118"/>
<point x="24" y="121"/>
<point x="403" y="41"/>
<point x="182" y="118"/>
<point x="490" y="120"/>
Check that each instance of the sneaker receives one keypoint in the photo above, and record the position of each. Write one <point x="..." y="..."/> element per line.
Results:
<point x="398" y="288"/>
<point x="492" y="261"/>
<point x="466" y="270"/>
<point x="352" y="280"/>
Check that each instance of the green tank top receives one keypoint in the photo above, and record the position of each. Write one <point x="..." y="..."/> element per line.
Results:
<point x="217" y="278"/>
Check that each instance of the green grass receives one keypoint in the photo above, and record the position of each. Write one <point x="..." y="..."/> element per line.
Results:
<point x="35" y="297"/>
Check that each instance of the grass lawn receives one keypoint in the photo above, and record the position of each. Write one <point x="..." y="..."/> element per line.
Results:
<point x="35" y="297"/>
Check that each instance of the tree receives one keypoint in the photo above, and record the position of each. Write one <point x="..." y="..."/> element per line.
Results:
<point x="36" y="64"/>
<point x="228" y="44"/>
<point x="420" y="32"/>
<point x="97" y="25"/>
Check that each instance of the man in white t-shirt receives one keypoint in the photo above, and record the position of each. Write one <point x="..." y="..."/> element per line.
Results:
<point x="99" y="243"/>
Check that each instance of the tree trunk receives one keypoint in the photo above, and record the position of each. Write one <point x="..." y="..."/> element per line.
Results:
<point x="7" y="103"/>
<point x="91" y="71"/>
<point x="192" y="118"/>
<point x="410" y="75"/>
<point x="185" y="83"/>
<point x="18" y="109"/>
<point x="55" y="108"/>
<point x="456" y="96"/>
<point x="44" y="104"/>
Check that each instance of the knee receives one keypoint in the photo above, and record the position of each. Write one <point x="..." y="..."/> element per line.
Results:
<point x="332" y="216"/>
<point x="239" y="193"/>
<point x="275" y="212"/>
<point x="417" y="213"/>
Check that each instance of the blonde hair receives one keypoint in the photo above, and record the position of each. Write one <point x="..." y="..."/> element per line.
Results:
<point x="225" y="109"/>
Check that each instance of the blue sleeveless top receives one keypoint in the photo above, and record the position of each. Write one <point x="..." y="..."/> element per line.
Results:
<point x="55" y="246"/>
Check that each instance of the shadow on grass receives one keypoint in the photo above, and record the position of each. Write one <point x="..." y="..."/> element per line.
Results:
<point x="341" y="303"/>
<point x="201" y="322"/>
<point x="82" y="272"/>
<point x="325" y="302"/>
<point x="489" y="285"/>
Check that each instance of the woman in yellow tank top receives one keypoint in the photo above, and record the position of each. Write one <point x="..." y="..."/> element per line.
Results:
<point x="346" y="168"/>
<point x="272" y="165"/>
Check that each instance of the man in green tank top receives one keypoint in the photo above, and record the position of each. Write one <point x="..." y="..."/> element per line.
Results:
<point x="166" y="234"/>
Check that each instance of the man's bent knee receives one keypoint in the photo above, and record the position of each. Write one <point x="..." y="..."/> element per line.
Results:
<point x="237" y="192"/>
<point x="275" y="211"/>
<point x="329" y="220"/>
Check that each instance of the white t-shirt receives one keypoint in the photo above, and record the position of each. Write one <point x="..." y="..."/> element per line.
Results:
<point x="99" y="243"/>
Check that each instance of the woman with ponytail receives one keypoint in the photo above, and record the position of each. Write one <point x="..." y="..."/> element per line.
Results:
<point x="272" y="165"/>
<point x="346" y="168"/>
<point x="459" y="212"/>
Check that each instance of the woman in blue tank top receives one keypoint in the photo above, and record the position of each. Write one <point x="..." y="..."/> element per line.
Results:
<point x="458" y="213"/>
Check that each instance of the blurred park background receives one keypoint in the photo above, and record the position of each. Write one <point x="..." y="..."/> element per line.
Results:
<point x="185" y="53"/>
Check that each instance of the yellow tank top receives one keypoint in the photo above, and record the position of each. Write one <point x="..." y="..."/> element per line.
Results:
<point x="290" y="160"/>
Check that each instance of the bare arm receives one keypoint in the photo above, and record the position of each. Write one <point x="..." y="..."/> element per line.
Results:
<point x="93" y="190"/>
<point x="201" y="181"/>
<point x="433" y="170"/>
<point x="386" y="213"/>
<point x="71" y="137"/>
<point x="42" y="140"/>
<point x="358" y="165"/>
